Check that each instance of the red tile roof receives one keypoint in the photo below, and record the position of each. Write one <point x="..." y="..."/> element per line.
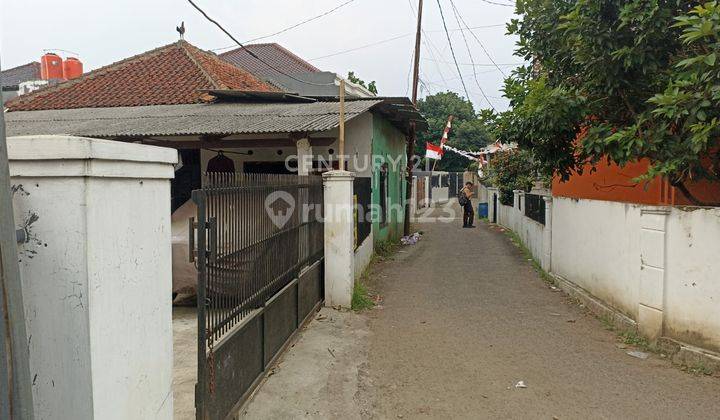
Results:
<point x="173" y="74"/>
<point x="273" y="54"/>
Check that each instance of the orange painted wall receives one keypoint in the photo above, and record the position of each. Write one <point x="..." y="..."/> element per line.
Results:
<point x="610" y="182"/>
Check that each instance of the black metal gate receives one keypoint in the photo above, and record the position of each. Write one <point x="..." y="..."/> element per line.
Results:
<point x="260" y="275"/>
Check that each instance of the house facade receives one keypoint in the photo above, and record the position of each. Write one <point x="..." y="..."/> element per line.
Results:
<point x="182" y="97"/>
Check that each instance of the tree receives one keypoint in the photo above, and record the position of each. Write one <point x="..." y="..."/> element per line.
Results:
<point x="512" y="170"/>
<point x="469" y="132"/>
<point x="370" y="86"/>
<point x="638" y="78"/>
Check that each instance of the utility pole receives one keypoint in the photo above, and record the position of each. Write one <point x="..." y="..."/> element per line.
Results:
<point x="413" y="135"/>
<point x="15" y="385"/>
<point x="341" y="127"/>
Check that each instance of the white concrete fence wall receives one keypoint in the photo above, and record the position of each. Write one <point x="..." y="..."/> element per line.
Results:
<point x="534" y="235"/>
<point x="657" y="265"/>
<point x="96" y="275"/>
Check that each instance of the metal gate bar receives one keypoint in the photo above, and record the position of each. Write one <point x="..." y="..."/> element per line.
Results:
<point x="256" y="233"/>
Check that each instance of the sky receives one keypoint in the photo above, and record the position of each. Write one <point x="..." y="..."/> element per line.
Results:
<point x="102" y="32"/>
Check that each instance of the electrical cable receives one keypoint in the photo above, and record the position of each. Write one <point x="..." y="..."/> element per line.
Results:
<point x="252" y="54"/>
<point x="361" y="47"/>
<point x="481" y="44"/>
<point x="429" y="45"/>
<point x="497" y="3"/>
<point x="472" y="60"/>
<point x="292" y="26"/>
<point x="452" y="50"/>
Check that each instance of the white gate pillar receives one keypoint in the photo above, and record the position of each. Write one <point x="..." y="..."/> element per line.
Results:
<point x="547" y="235"/>
<point x="339" y="238"/>
<point x="97" y="276"/>
<point x="304" y="156"/>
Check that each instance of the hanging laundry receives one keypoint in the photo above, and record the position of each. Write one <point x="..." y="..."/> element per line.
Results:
<point x="220" y="163"/>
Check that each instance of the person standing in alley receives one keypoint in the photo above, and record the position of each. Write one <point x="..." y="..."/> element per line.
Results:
<point x="464" y="198"/>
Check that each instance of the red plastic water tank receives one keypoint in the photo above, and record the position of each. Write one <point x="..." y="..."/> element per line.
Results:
<point x="72" y="68"/>
<point x="51" y="67"/>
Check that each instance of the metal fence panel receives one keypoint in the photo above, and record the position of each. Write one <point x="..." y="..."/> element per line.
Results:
<point x="256" y="233"/>
<point x="535" y="207"/>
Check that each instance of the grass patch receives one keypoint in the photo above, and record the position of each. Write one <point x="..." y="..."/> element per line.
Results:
<point x="385" y="249"/>
<point x="361" y="299"/>
<point x="698" y="368"/>
<point x="515" y="239"/>
<point x="632" y="338"/>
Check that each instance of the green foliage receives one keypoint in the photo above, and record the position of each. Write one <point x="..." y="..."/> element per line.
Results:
<point x="640" y="79"/>
<point x="385" y="249"/>
<point x="512" y="170"/>
<point x="370" y="86"/>
<point x="469" y="132"/>
<point x="361" y="299"/>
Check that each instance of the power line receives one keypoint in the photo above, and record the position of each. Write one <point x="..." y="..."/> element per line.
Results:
<point x="429" y="45"/>
<point x="477" y="64"/>
<point x="252" y="54"/>
<point x="480" y="42"/>
<point x="452" y="50"/>
<point x="384" y="41"/>
<point x="292" y="26"/>
<point x="393" y="38"/>
<point x="497" y="3"/>
<point x="472" y="60"/>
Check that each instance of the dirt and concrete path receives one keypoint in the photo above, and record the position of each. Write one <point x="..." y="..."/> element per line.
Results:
<point x="464" y="318"/>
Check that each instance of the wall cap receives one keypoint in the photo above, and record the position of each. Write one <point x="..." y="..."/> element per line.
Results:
<point x="48" y="148"/>
<point x="338" y="176"/>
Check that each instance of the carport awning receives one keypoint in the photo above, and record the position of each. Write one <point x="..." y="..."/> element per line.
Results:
<point x="214" y="119"/>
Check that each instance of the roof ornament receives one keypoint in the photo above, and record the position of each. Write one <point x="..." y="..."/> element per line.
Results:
<point x="181" y="29"/>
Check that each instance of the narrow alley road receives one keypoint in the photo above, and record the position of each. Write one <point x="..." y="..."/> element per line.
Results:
<point x="464" y="318"/>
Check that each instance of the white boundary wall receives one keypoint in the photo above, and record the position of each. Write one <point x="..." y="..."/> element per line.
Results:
<point x="96" y="274"/>
<point x="534" y="235"/>
<point x="658" y="265"/>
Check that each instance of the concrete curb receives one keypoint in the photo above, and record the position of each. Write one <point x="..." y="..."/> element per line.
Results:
<point x="595" y="305"/>
<point x="680" y="353"/>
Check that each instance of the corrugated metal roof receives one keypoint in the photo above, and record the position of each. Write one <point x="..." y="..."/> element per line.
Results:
<point x="189" y="119"/>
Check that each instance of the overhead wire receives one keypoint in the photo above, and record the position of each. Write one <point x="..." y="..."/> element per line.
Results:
<point x="497" y="3"/>
<point x="291" y="27"/>
<point x="482" y="46"/>
<point x="384" y="41"/>
<point x="252" y="54"/>
<point x="472" y="60"/>
<point x="452" y="50"/>
<point x="427" y="42"/>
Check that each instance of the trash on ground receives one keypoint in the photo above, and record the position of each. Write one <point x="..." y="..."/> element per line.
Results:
<point x="520" y="384"/>
<point x="639" y="354"/>
<point x="411" y="239"/>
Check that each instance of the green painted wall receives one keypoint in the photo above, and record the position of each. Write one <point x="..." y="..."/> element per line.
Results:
<point x="388" y="146"/>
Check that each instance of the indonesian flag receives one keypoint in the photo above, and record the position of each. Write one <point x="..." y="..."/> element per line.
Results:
<point x="448" y="126"/>
<point x="432" y="151"/>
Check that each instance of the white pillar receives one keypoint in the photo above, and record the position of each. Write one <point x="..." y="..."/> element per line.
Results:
<point x="547" y="235"/>
<point x="96" y="273"/>
<point x="304" y="156"/>
<point x="491" y="200"/>
<point x="339" y="238"/>
<point x="651" y="305"/>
